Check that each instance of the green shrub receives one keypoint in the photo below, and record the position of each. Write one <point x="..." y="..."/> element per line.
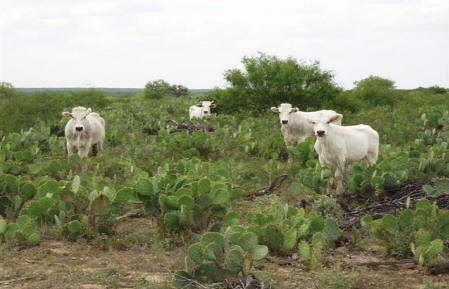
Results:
<point x="7" y="91"/>
<point x="327" y="207"/>
<point x="159" y="88"/>
<point x="269" y="80"/>
<point x="375" y="90"/>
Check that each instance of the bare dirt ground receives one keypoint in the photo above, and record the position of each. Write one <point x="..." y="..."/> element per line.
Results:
<point x="95" y="265"/>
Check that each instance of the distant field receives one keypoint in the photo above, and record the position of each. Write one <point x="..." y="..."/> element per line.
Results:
<point x="108" y="90"/>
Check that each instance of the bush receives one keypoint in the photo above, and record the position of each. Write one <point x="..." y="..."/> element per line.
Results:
<point x="7" y="91"/>
<point x="269" y="80"/>
<point x="178" y="90"/>
<point x="159" y="88"/>
<point x="437" y="89"/>
<point x="375" y="90"/>
<point x="156" y="89"/>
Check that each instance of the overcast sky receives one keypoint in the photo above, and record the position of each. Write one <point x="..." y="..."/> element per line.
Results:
<point x="125" y="43"/>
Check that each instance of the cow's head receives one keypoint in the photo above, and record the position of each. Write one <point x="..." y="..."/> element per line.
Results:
<point x="78" y="115"/>
<point x="284" y="111"/>
<point x="206" y="105"/>
<point x="322" y="122"/>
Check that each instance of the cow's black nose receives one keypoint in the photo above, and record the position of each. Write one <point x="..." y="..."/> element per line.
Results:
<point x="284" y="121"/>
<point x="320" y="132"/>
<point x="79" y="128"/>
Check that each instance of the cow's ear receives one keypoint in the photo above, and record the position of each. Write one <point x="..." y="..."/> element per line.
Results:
<point x="67" y="114"/>
<point x="336" y="118"/>
<point x="89" y="110"/>
<point x="275" y="109"/>
<point x="295" y="109"/>
<point x="199" y="104"/>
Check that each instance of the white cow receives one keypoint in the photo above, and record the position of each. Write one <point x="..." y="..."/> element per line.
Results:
<point x="84" y="129"/>
<point x="341" y="145"/>
<point x="294" y="125"/>
<point x="201" y="109"/>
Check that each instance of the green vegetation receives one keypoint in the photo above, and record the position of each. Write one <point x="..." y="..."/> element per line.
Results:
<point x="160" y="88"/>
<point x="282" y="228"/>
<point x="418" y="232"/>
<point x="213" y="192"/>
<point x="219" y="256"/>
<point x="269" y="80"/>
<point x="22" y="111"/>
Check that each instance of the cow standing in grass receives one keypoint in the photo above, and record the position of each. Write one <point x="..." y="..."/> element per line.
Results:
<point x="294" y="125"/>
<point x="342" y="145"/>
<point x="201" y="109"/>
<point x="84" y="129"/>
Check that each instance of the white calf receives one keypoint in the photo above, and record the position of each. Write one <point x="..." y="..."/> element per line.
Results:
<point x="84" y="129"/>
<point x="294" y="125"/>
<point x="341" y="145"/>
<point x="201" y="109"/>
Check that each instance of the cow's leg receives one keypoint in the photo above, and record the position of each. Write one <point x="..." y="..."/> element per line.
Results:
<point x="372" y="157"/>
<point x="83" y="150"/>
<point x="100" y="146"/>
<point x="340" y="176"/>
<point x="95" y="150"/>
<point x="365" y="161"/>
<point x="71" y="149"/>
<point x="290" y="155"/>
<point x="290" y="143"/>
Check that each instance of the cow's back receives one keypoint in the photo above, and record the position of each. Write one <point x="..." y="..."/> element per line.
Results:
<point x="96" y="127"/>
<point x="98" y="117"/>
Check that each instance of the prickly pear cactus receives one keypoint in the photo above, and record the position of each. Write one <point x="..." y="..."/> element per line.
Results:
<point x="282" y="228"/>
<point x="419" y="232"/>
<point x="218" y="256"/>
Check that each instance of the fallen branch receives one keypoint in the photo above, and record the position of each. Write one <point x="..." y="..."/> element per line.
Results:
<point x="391" y="202"/>
<point x="189" y="127"/>
<point x="172" y="120"/>
<point x="287" y="262"/>
<point x="275" y="184"/>
<point x="137" y="213"/>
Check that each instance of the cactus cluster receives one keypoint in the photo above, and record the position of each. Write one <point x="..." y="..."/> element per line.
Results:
<point x="218" y="256"/>
<point x="194" y="205"/>
<point x="66" y="203"/>
<point x="183" y="199"/>
<point x="312" y="253"/>
<point x="24" y="230"/>
<point x="440" y="186"/>
<point x="420" y="232"/>
<point x="285" y="229"/>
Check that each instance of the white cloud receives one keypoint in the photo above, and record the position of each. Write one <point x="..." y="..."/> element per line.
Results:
<point x="125" y="43"/>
